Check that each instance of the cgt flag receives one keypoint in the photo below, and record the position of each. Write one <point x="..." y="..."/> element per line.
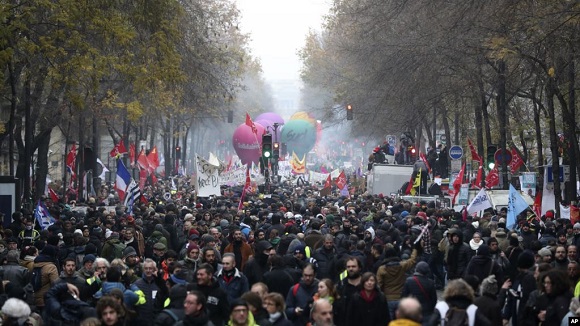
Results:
<point x="341" y="180"/>
<point x="474" y="155"/>
<point x="492" y="179"/>
<point x="479" y="203"/>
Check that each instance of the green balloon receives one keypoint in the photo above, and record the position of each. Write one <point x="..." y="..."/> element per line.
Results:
<point x="299" y="136"/>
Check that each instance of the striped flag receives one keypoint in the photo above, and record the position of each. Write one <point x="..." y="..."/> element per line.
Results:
<point x="133" y="195"/>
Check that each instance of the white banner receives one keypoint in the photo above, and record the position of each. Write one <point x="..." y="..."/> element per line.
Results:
<point x="335" y="173"/>
<point x="234" y="177"/>
<point x="565" y="212"/>
<point x="479" y="203"/>
<point x="207" y="181"/>
<point x="284" y="169"/>
<point x="317" y="177"/>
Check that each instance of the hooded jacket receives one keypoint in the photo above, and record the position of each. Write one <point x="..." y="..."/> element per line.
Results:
<point x="217" y="301"/>
<point x="458" y="256"/>
<point x="391" y="275"/>
<point x="301" y="299"/>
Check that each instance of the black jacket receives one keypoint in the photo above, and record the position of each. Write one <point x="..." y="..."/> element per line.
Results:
<point x="279" y="280"/>
<point x="218" y="306"/>
<point x="361" y="312"/>
<point x="426" y="296"/>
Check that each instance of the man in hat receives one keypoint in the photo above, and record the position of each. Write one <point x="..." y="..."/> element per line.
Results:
<point x="258" y="264"/>
<point x="87" y="270"/>
<point x="134" y="268"/>
<point x="421" y="287"/>
<point x="159" y="252"/>
<point x="522" y="285"/>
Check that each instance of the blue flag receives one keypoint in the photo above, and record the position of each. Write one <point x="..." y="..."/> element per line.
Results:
<point x="516" y="205"/>
<point x="42" y="216"/>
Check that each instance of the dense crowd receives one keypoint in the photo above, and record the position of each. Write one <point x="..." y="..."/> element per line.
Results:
<point x="289" y="258"/>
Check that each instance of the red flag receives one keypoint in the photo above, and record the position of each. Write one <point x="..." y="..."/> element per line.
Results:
<point x="410" y="185"/>
<point x="341" y="180"/>
<point x="325" y="191"/>
<point x="153" y="158"/>
<point x="424" y="159"/>
<point x="131" y="153"/>
<point x="71" y="157"/>
<point x="251" y="124"/>
<point x="492" y="178"/>
<point x="142" y="160"/>
<point x="153" y="179"/>
<point x="457" y="183"/>
<point x="328" y="183"/>
<point x="477" y="182"/>
<point x="118" y="149"/>
<point x="517" y="160"/>
<point x="538" y="205"/>
<point x="53" y="195"/>
<point x="474" y="155"/>
<point x="142" y="178"/>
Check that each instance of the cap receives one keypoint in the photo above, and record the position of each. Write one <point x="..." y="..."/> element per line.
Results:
<point x="194" y="237"/>
<point x="159" y="246"/>
<point x="545" y="252"/>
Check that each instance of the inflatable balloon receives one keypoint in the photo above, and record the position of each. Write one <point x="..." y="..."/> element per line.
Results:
<point x="304" y="116"/>
<point x="270" y="116"/>
<point x="247" y="144"/>
<point x="299" y="136"/>
<point x="269" y="126"/>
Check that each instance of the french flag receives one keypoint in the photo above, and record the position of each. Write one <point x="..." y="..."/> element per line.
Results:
<point x="123" y="179"/>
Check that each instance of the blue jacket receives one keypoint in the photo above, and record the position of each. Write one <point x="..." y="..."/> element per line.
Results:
<point x="130" y="298"/>
<point x="237" y="286"/>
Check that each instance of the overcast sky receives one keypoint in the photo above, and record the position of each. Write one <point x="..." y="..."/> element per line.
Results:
<point x="278" y="29"/>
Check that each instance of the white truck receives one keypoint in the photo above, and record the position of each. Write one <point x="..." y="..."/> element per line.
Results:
<point x="388" y="179"/>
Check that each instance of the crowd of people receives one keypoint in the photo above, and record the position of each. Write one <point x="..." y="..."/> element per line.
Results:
<point x="289" y="258"/>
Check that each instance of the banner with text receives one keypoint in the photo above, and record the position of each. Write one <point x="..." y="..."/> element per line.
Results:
<point x="207" y="180"/>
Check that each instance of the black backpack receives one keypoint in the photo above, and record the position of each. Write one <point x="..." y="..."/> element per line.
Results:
<point x="36" y="279"/>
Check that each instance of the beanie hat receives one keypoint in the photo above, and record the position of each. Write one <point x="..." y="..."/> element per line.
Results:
<point x="423" y="268"/>
<point x="89" y="257"/>
<point x="577" y="225"/>
<point x="90" y="248"/>
<point x="129" y="251"/>
<point x="404" y="214"/>
<point x="191" y="247"/>
<point x="300" y="250"/>
<point x="514" y="242"/>
<point x="237" y="303"/>
<point x="108" y="233"/>
<point x="114" y="235"/>
<point x="526" y="260"/>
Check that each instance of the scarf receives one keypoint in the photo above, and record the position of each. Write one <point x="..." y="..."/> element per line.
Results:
<point x="368" y="298"/>
<point x="273" y="317"/>
<point x="473" y="245"/>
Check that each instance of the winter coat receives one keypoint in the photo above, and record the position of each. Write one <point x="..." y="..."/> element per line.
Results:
<point x="62" y="309"/>
<point x="326" y="260"/>
<point x="459" y="303"/>
<point x="15" y="273"/>
<point x="483" y="266"/>
<point x="234" y="287"/>
<point x="165" y="319"/>
<point x="426" y="296"/>
<point x="279" y="280"/>
<point x="556" y="307"/>
<point x="49" y="277"/>
<point x="217" y="301"/>
<point x="130" y="298"/>
<point x="146" y="312"/>
<point x="201" y="320"/>
<point x="490" y="307"/>
<point x="363" y="312"/>
<point x="391" y="275"/>
<point x="458" y="256"/>
<point x="245" y="250"/>
<point x="301" y="299"/>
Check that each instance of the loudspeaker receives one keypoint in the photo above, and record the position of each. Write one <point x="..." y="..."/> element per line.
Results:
<point x="434" y="189"/>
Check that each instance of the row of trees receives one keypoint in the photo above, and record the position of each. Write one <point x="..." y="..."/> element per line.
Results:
<point x="495" y="71"/>
<point x="142" y="69"/>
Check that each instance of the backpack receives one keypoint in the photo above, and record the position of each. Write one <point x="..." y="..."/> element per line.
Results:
<point x="151" y="241"/>
<point x="118" y="250"/>
<point x="451" y="316"/>
<point x="36" y="279"/>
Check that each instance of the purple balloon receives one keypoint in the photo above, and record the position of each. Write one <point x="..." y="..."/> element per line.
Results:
<point x="271" y="116"/>
<point x="269" y="126"/>
<point x="247" y="144"/>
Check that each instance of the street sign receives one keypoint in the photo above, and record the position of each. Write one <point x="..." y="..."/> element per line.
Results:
<point x="456" y="152"/>
<point x="503" y="155"/>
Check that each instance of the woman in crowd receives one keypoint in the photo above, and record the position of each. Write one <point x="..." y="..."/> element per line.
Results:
<point x="326" y="290"/>
<point x="275" y="304"/>
<point x="369" y="306"/>
<point x="554" y="303"/>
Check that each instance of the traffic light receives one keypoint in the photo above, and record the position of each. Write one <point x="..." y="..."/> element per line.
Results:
<point x="266" y="146"/>
<point x="349" y="112"/>
<point x="178" y="152"/>
<point x="276" y="151"/>
<point x="412" y="152"/>
<point x="490" y="158"/>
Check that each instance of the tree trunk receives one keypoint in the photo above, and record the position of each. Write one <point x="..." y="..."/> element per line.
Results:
<point x="550" y="93"/>
<point x="502" y="118"/>
<point x="42" y="163"/>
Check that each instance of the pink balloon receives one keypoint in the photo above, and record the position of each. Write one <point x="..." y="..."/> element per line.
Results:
<point x="247" y="144"/>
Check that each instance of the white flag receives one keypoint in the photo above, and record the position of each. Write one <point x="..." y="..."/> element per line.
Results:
<point x="479" y="203"/>
<point x="105" y="170"/>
